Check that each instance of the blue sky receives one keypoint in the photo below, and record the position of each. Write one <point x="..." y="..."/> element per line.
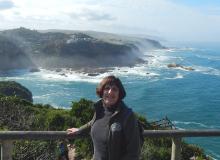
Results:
<point x="172" y="20"/>
<point x="198" y="2"/>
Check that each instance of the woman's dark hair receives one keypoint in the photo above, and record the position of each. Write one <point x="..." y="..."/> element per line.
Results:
<point x="111" y="80"/>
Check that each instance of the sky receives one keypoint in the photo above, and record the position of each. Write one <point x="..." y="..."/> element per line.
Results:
<point x="170" y="20"/>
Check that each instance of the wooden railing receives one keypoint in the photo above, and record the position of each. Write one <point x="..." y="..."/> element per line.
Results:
<point x="7" y="138"/>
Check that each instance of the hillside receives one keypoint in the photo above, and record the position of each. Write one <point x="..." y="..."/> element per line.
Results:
<point x="73" y="49"/>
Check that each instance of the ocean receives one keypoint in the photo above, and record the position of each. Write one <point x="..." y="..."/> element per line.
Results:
<point x="189" y="98"/>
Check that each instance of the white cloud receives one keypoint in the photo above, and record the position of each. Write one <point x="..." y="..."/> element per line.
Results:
<point x="92" y="15"/>
<point x="163" y="18"/>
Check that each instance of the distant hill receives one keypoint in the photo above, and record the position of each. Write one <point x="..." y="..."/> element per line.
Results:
<point x="70" y="49"/>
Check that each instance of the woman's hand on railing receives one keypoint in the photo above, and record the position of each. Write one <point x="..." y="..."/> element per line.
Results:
<point x="72" y="131"/>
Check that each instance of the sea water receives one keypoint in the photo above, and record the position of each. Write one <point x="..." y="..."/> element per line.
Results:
<point x="190" y="99"/>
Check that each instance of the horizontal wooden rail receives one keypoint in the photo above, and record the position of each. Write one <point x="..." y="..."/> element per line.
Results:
<point x="182" y="133"/>
<point x="51" y="135"/>
<point x="7" y="137"/>
<point x="33" y="135"/>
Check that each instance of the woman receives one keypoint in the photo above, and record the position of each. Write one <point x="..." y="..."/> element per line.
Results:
<point x="114" y="128"/>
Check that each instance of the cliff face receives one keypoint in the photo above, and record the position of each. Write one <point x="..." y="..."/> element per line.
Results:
<point x="74" y="49"/>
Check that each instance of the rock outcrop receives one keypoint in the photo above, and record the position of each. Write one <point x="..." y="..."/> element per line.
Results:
<point x="174" y="65"/>
<point x="11" y="88"/>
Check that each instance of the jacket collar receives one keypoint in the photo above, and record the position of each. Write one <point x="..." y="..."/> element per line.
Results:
<point x="120" y="105"/>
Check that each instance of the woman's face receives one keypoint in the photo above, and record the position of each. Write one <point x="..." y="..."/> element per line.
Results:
<point x="110" y="95"/>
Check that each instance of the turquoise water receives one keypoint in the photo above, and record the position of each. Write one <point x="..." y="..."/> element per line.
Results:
<point x="189" y="98"/>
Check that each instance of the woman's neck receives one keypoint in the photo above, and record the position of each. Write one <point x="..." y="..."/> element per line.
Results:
<point x="114" y="106"/>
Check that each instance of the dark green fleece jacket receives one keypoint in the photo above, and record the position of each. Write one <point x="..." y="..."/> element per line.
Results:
<point x="124" y="136"/>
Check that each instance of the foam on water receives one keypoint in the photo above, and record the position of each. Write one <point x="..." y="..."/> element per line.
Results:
<point x="66" y="75"/>
<point x="44" y="95"/>
<point x="213" y="58"/>
<point x="178" y="76"/>
<point x="158" y="61"/>
<point x="138" y="70"/>
<point x="176" y="49"/>
<point x="195" y="124"/>
<point x="207" y="70"/>
<point x="141" y="70"/>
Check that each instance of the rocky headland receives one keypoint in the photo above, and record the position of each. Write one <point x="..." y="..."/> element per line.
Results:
<point x="12" y="88"/>
<point x="52" y="49"/>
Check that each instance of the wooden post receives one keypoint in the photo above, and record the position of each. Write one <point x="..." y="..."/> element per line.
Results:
<point x="6" y="150"/>
<point x="176" y="148"/>
<point x="0" y="150"/>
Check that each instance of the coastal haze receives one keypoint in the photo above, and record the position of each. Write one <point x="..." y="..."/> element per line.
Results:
<point x="166" y="52"/>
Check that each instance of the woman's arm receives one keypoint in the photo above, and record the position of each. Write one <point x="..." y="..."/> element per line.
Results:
<point x="83" y="130"/>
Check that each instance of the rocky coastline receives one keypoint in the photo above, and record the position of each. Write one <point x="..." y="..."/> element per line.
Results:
<point x="79" y="51"/>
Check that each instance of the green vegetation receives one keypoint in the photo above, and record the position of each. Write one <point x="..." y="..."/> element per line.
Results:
<point x="19" y="114"/>
<point x="83" y="111"/>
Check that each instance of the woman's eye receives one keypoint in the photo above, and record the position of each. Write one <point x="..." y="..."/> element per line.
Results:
<point x="106" y="88"/>
<point x="114" y="89"/>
